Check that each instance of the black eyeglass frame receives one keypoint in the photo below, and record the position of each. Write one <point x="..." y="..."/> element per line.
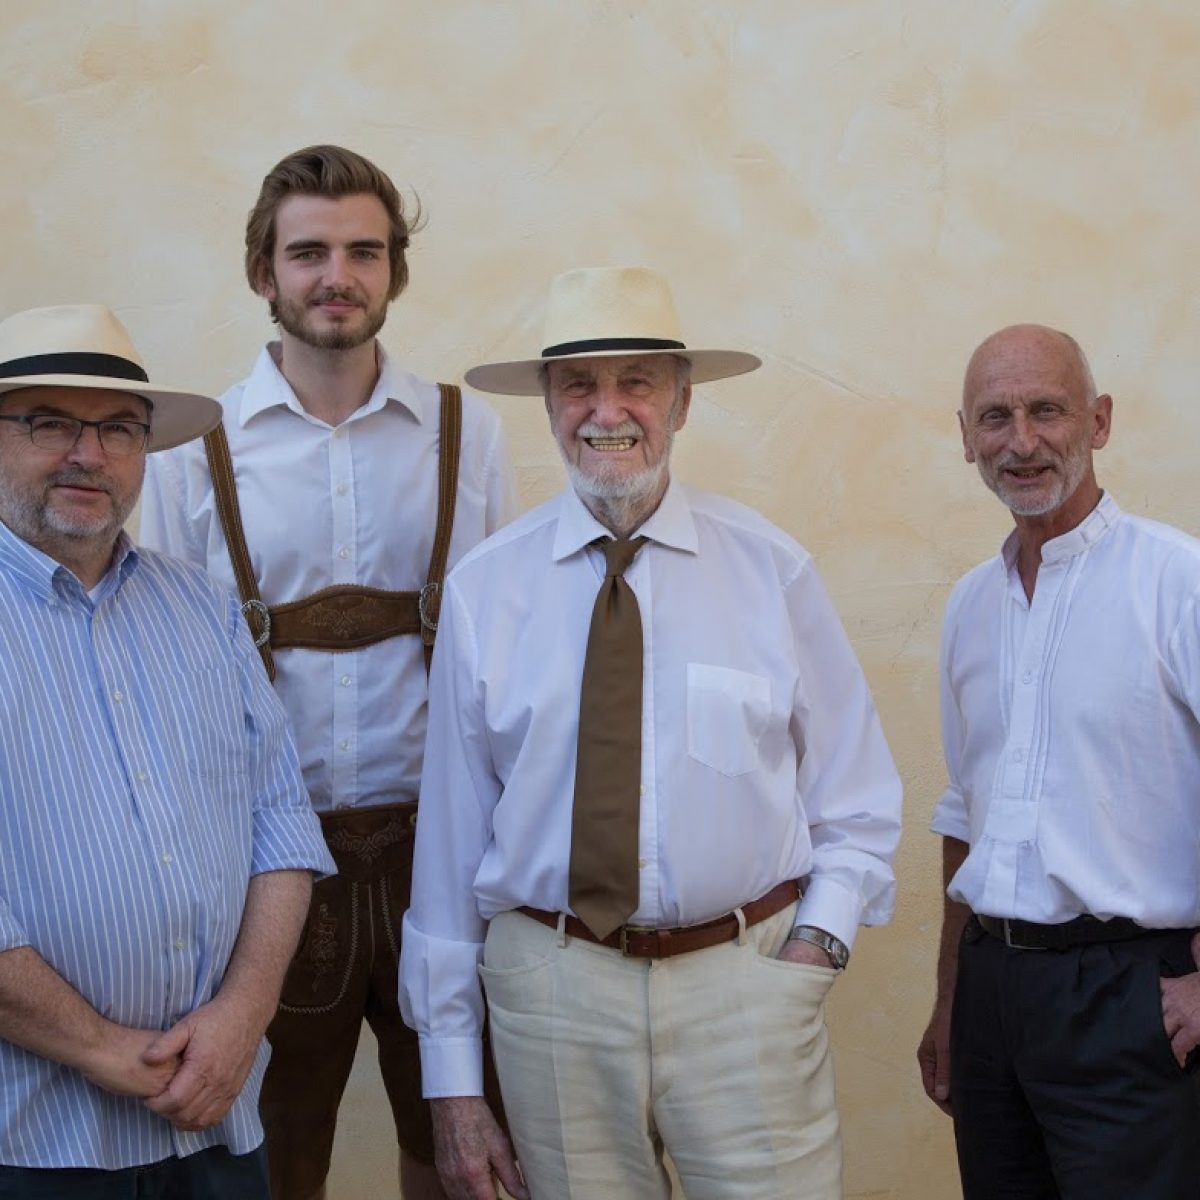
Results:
<point x="28" y="419"/>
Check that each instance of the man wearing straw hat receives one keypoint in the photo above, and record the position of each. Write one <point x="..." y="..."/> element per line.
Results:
<point x="658" y="805"/>
<point x="158" y="846"/>
<point x="335" y="494"/>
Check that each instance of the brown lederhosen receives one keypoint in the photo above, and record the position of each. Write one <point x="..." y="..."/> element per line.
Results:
<point x="345" y="967"/>
<point x="346" y="616"/>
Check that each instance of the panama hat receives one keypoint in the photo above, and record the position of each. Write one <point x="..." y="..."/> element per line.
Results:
<point x="602" y="312"/>
<point x="85" y="346"/>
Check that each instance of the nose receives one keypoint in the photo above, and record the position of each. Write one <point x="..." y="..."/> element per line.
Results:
<point x="87" y="450"/>
<point x="1024" y="439"/>
<point x="337" y="270"/>
<point x="608" y="407"/>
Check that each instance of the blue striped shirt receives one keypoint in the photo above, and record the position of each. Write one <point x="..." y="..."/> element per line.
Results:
<point x="147" y="771"/>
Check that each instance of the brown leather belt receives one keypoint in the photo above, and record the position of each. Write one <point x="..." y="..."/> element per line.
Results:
<point x="636" y="941"/>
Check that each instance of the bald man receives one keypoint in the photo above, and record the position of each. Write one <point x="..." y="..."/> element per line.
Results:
<point x="1068" y="1000"/>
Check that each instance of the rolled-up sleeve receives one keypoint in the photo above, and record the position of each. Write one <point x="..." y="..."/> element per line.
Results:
<point x="12" y="934"/>
<point x="443" y="933"/>
<point x="847" y="783"/>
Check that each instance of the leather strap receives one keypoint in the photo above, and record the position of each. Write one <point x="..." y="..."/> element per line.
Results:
<point x="636" y="942"/>
<point x="1082" y="931"/>
<point x="345" y="616"/>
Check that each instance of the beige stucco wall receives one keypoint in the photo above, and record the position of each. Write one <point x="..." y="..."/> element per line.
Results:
<point x="857" y="191"/>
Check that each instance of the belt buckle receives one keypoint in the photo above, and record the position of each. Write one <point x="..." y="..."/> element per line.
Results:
<point x="263" y="613"/>
<point x="1008" y="941"/>
<point x="626" y="930"/>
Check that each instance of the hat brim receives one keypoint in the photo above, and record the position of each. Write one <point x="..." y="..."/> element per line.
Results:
<point x="178" y="417"/>
<point x="523" y="378"/>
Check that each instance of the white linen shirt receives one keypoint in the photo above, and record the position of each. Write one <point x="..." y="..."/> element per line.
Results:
<point x="1070" y="730"/>
<point x="322" y="506"/>
<point x="762" y="755"/>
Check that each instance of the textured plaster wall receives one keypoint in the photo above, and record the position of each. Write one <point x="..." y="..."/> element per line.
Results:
<point x="857" y="191"/>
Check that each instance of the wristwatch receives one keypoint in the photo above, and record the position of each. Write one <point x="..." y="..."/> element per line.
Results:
<point x="838" y="953"/>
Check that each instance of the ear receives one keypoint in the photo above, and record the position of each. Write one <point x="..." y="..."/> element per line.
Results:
<point x="968" y="453"/>
<point x="264" y="281"/>
<point x="682" y="405"/>
<point x="1101" y="421"/>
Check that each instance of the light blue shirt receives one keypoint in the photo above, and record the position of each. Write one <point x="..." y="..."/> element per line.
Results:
<point x="147" y="771"/>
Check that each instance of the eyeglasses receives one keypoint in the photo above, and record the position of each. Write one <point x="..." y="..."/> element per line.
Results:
<point x="50" y="432"/>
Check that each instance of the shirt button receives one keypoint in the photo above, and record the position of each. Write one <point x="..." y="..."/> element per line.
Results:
<point x="179" y="943"/>
<point x="345" y="743"/>
<point x="168" y="859"/>
<point x="344" y="552"/>
<point x="642" y="790"/>
<point x="142" y="777"/>
<point x="118" y="696"/>
<point x="643" y="864"/>
<point x="1027" y="677"/>
<point x="341" y="489"/>
<point x="1018" y="755"/>
<point x="346" y="681"/>
<point x="338" y="432"/>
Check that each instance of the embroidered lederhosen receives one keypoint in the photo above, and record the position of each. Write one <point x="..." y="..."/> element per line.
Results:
<point x="346" y="616"/>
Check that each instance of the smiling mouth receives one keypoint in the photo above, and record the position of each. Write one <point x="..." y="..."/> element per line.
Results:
<point x="1026" y="473"/>
<point x="606" y="444"/>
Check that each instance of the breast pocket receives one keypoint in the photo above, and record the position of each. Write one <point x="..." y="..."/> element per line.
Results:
<point x="727" y="714"/>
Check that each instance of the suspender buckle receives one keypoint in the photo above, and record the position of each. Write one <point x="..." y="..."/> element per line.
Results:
<point x="429" y="600"/>
<point x="263" y="613"/>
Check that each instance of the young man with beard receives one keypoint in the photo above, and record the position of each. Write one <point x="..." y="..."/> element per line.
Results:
<point x="1068" y="999"/>
<point x="628" y="812"/>
<point x="156" y="843"/>
<point x="337" y="492"/>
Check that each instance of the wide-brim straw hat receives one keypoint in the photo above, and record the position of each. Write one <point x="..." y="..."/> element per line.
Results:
<point x="85" y="346"/>
<point x="603" y="312"/>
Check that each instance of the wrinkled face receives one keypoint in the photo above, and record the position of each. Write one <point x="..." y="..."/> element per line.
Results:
<point x="78" y="497"/>
<point x="1028" y="422"/>
<point x="614" y="420"/>
<point x="330" y="274"/>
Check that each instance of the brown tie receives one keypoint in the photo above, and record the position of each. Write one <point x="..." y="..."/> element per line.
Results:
<point x="603" y="887"/>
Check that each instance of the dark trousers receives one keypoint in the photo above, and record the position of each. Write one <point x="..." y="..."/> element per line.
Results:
<point x="1063" y="1081"/>
<point x="209" y="1175"/>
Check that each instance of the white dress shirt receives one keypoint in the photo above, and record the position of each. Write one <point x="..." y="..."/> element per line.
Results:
<point x="323" y="506"/>
<point x="1070" y="729"/>
<point x="762" y="755"/>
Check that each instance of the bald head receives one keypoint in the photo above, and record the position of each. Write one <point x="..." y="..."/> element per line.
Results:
<point x="1025" y="348"/>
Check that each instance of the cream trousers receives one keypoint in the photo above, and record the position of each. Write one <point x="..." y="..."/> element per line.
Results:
<point x="720" y="1057"/>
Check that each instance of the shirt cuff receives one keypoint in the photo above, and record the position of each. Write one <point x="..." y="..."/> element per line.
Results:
<point x="289" y="839"/>
<point x="950" y="817"/>
<point x="451" y="1067"/>
<point x="828" y="906"/>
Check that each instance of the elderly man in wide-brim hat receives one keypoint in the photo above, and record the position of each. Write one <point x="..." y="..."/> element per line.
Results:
<point x="158" y="846"/>
<point x="657" y="805"/>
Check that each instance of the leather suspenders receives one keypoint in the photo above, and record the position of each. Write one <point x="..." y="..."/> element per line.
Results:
<point x="345" y="616"/>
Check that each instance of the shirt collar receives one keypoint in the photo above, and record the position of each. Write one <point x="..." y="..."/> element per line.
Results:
<point x="47" y="578"/>
<point x="267" y="388"/>
<point x="671" y="524"/>
<point x="1075" y="541"/>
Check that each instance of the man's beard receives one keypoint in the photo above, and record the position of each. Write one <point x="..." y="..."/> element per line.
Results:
<point x="624" y="500"/>
<point x="37" y="521"/>
<point x="1072" y="469"/>
<point x="294" y="318"/>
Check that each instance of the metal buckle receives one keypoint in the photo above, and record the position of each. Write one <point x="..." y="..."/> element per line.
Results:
<point x="430" y="589"/>
<point x="626" y="930"/>
<point x="264" y="615"/>
<point x="1008" y="941"/>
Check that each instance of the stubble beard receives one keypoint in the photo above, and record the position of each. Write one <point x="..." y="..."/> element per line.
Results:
<point x="1072" y="471"/>
<point x="37" y="521"/>
<point x="293" y="318"/>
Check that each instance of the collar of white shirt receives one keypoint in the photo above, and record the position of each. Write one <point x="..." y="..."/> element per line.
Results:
<point x="671" y="524"/>
<point x="267" y="388"/>
<point x="1075" y="541"/>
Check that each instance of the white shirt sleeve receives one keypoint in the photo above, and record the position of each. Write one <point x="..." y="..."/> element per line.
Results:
<point x="443" y="934"/>
<point x="950" y="816"/>
<point x="847" y="782"/>
<point x="164" y="524"/>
